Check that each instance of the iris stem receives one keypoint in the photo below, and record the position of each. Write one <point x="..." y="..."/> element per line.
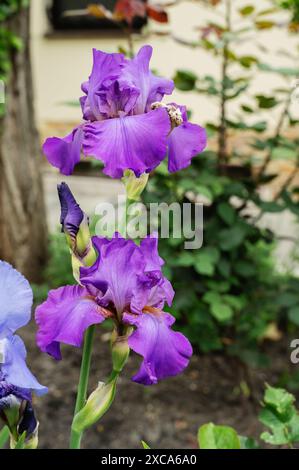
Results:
<point x="75" y="440"/>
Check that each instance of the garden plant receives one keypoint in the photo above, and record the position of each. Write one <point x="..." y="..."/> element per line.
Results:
<point x="137" y="285"/>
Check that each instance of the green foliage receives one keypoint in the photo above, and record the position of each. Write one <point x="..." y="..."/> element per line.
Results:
<point x="8" y="40"/>
<point x="145" y="445"/>
<point x="293" y="6"/>
<point x="58" y="271"/>
<point x="218" y="437"/>
<point x="228" y="293"/>
<point x="4" y="436"/>
<point x="279" y="414"/>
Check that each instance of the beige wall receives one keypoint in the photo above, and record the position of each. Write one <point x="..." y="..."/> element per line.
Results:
<point x="60" y="65"/>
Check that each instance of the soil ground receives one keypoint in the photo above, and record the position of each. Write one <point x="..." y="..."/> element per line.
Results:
<point x="166" y="415"/>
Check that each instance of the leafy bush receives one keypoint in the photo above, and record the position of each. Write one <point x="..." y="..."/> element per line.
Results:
<point x="229" y="293"/>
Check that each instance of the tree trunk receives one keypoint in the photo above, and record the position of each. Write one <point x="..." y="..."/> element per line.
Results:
<point x="23" y="233"/>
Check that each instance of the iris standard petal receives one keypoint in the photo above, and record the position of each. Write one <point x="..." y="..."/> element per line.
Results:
<point x="15" y="299"/>
<point x="64" y="153"/>
<point x="115" y="273"/>
<point x="14" y="369"/>
<point x="166" y="352"/>
<point x="137" y="143"/>
<point x="185" y="142"/>
<point x="136" y="71"/>
<point x="64" y="317"/>
<point x="149" y="248"/>
<point x="106" y="69"/>
<point x="152" y="289"/>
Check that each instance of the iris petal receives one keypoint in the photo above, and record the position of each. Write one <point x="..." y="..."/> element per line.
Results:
<point x="64" y="317"/>
<point x="137" y="143"/>
<point x="166" y="352"/>
<point x="15" y="299"/>
<point x="15" y="370"/>
<point x="64" y="153"/>
<point x="185" y="142"/>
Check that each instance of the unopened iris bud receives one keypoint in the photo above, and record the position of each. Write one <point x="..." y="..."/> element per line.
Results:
<point x="120" y="350"/>
<point x="20" y="418"/>
<point x="134" y="186"/>
<point x="75" y="225"/>
<point x="96" y="406"/>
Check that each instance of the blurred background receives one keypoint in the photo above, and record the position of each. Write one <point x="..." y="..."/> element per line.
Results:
<point x="235" y="65"/>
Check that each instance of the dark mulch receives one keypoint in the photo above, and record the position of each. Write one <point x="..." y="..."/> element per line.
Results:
<point x="166" y="415"/>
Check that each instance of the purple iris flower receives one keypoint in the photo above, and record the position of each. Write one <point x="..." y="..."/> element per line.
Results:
<point x="125" y="124"/>
<point x="125" y="284"/>
<point x="16" y="381"/>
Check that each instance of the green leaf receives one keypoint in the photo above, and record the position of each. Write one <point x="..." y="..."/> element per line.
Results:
<point x="265" y="24"/>
<point x="247" y="61"/>
<point x="4" y="436"/>
<point x="247" y="10"/>
<point x="279" y="398"/>
<point x="211" y="297"/>
<point x="206" y="260"/>
<point x="185" y="80"/>
<point x="271" y="206"/>
<point x="231" y="238"/>
<point x="247" y="109"/>
<point x="221" y="311"/>
<point x="204" y="191"/>
<point x="211" y="436"/>
<point x="248" y="443"/>
<point x="287" y="71"/>
<point x="266" y="102"/>
<point x="226" y="212"/>
<point x="145" y="445"/>
<point x="21" y="441"/>
<point x="224" y="267"/>
<point x="185" y="259"/>
<point x="280" y="415"/>
<point x="244" y="268"/>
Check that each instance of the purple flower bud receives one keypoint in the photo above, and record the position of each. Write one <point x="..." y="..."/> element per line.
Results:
<point x="75" y="225"/>
<point x="71" y="214"/>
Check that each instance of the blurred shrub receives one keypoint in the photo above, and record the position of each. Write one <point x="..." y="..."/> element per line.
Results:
<point x="229" y="294"/>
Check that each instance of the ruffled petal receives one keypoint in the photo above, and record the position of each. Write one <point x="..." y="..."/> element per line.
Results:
<point x="115" y="272"/>
<point x="64" y="317"/>
<point x="161" y="293"/>
<point x="14" y="369"/>
<point x="149" y="248"/>
<point x="106" y="69"/>
<point x="185" y="142"/>
<point x="166" y="353"/>
<point x="15" y="300"/>
<point x="64" y="153"/>
<point x="151" y="88"/>
<point x="158" y="88"/>
<point x="152" y="288"/>
<point x="137" y="143"/>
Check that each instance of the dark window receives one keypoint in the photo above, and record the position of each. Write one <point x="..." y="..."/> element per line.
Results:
<point x="70" y="15"/>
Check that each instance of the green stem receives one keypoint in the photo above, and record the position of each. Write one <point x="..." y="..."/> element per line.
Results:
<point x="75" y="440"/>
